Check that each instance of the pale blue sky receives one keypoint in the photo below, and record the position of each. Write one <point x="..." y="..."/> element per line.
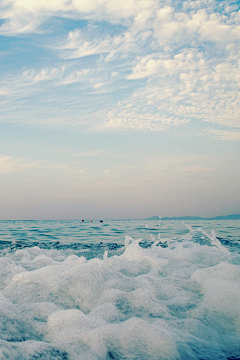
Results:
<point x="115" y="109"/>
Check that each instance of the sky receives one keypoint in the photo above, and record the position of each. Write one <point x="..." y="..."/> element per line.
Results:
<point x="119" y="109"/>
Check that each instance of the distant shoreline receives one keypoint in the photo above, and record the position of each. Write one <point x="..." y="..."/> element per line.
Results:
<point x="221" y="217"/>
<point x="155" y="217"/>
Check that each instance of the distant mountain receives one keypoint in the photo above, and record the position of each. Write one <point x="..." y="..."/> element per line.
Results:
<point x="221" y="217"/>
<point x="184" y="218"/>
<point x="155" y="217"/>
<point x="227" y="217"/>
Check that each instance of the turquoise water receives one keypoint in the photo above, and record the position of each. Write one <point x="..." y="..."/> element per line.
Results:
<point x="110" y="231"/>
<point x="120" y="290"/>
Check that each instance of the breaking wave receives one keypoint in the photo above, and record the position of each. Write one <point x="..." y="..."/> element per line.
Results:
<point x="158" y="299"/>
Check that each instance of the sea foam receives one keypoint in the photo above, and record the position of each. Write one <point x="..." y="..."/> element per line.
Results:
<point x="171" y="299"/>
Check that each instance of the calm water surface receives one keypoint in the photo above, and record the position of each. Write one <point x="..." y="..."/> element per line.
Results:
<point x="110" y="231"/>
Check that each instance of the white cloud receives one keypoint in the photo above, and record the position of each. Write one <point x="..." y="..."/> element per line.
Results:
<point x="223" y="135"/>
<point x="22" y="81"/>
<point x="114" y="73"/>
<point x="127" y="117"/>
<point x="31" y="80"/>
<point x="191" y="86"/>
<point x="98" y="85"/>
<point x="10" y="164"/>
<point x="167" y="23"/>
<point x="23" y="16"/>
<point x="75" y="77"/>
<point x="146" y="67"/>
<point x="214" y="30"/>
<point x="80" y="44"/>
<point x="173" y="26"/>
<point x="33" y="76"/>
<point x="186" y="59"/>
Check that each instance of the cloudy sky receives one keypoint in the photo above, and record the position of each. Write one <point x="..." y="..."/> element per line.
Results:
<point x="119" y="109"/>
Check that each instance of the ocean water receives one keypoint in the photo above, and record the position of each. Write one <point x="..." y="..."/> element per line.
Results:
<point x="120" y="290"/>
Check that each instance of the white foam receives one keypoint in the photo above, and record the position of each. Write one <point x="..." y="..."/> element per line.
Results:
<point x="70" y="325"/>
<point x="8" y="268"/>
<point x="128" y="239"/>
<point x="223" y="270"/>
<point x="143" y="257"/>
<point x="146" y="303"/>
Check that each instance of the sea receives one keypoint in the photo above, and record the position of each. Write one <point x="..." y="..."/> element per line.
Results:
<point x="132" y="289"/>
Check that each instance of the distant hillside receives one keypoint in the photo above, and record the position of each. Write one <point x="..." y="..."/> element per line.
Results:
<point x="221" y="217"/>
<point x="155" y="217"/>
<point x="227" y="217"/>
